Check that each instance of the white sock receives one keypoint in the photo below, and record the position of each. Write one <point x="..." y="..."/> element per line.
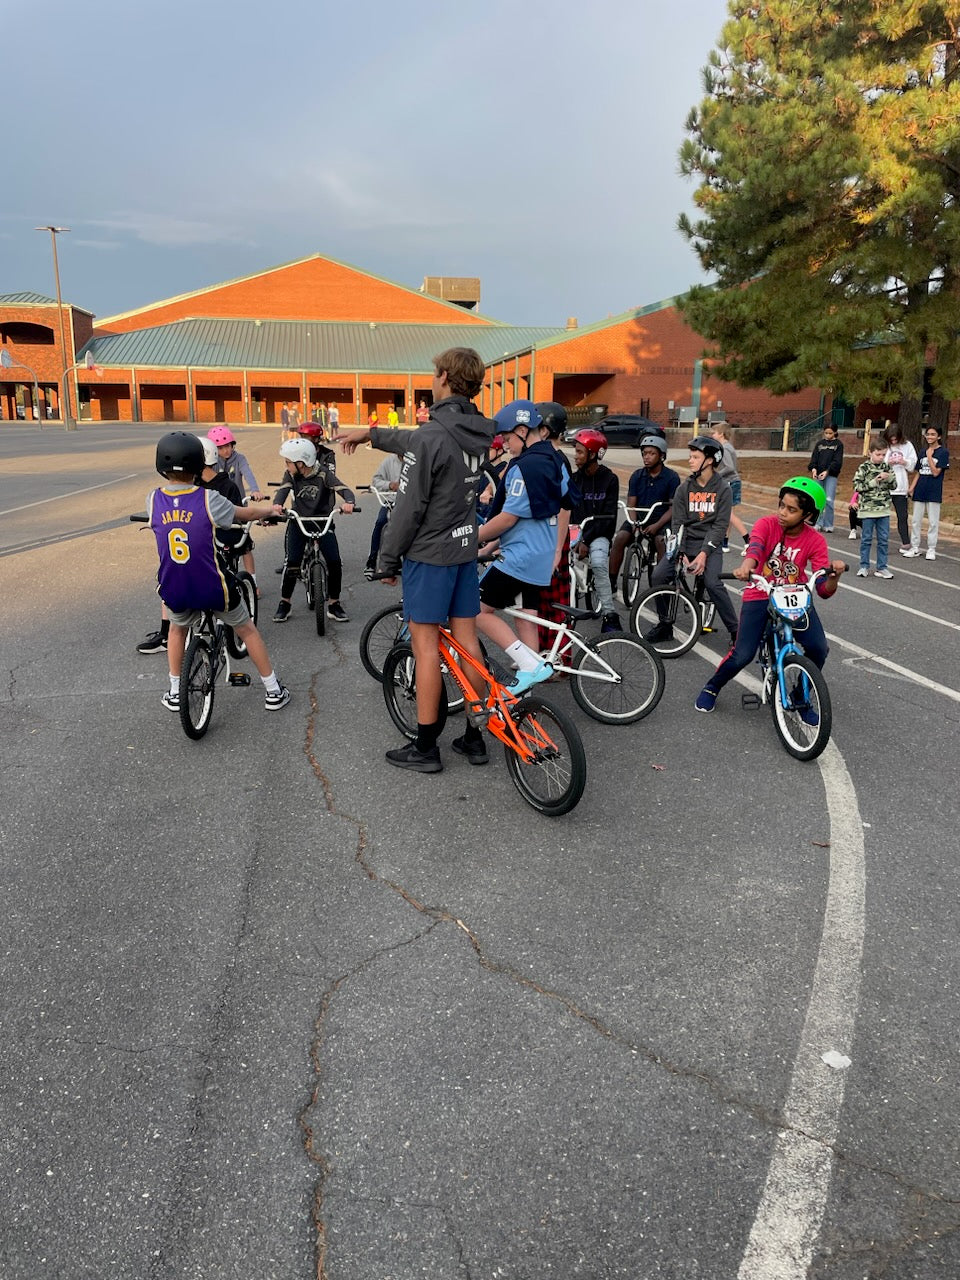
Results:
<point x="522" y="656"/>
<point x="175" y="685"/>
<point x="271" y="683"/>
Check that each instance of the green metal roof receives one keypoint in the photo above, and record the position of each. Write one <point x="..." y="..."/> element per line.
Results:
<point x="329" y="346"/>
<point x="26" y="299"/>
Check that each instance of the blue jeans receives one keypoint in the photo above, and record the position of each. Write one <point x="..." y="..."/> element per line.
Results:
<point x="830" y="489"/>
<point x="882" y="526"/>
<point x="599" y="554"/>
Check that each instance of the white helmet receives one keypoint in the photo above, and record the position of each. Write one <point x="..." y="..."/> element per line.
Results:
<point x="210" y="455"/>
<point x="299" y="451"/>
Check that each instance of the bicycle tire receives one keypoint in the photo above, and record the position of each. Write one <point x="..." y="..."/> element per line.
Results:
<point x="306" y="573"/>
<point x="642" y="680"/>
<point x="318" y="579"/>
<point x="197" y="687"/>
<point x="400" y="691"/>
<point x="248" y="592"/>
<point x="631" y="575"/>
<point x="380" y="633"/>
<point x="680" y="611"/>
<point x="554" y="782"/>
<point x="808" y="696"/>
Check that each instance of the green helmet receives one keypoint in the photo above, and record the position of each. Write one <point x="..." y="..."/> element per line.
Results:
<point x="812" y="496"/>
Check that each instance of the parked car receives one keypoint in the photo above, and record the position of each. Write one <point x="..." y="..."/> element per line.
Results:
<point x="621" y="429"/>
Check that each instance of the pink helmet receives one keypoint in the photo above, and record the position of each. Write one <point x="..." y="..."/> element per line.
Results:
<point x="221" y="435"/>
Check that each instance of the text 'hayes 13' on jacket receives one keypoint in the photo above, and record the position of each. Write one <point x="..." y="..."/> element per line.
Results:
<point x="435" y="517"/>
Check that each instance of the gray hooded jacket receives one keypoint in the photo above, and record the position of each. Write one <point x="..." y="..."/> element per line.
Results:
<point x="435" y="517"/>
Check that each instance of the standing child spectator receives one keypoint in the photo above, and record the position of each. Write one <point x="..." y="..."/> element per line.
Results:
<point x="599" y="494"/>
<point x="184" y="519"/>
<point x="393" y="418"/>
<point x="333" y="420"/>
<point x="312" y="485"/>
<point x="874" y="482"/>
<point x="729" y="469"/>
<point x="783" y="549"/>
<point x="902" y="457"/>
<point x="825" y="465"/>
<point x="926" y="490"/>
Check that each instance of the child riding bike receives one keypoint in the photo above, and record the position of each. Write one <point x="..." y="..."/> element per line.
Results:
<point x="313" y="484"/>
<point x="184" y="518"/>
<point x="788" y="548"/>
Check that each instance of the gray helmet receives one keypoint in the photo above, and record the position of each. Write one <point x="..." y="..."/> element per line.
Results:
<point x="654" y="442"/>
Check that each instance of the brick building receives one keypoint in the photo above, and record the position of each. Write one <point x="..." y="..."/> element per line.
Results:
<point x="317" y="331"/>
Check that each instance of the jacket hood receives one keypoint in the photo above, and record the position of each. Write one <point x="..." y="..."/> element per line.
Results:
<point x="465" y="423"/>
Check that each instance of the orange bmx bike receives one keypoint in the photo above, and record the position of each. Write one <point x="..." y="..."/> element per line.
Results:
<point x="543" y="751"/>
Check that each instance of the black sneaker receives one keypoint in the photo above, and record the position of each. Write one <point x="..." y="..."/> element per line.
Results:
<point x="336" y="611"/>
<point x="369" y="569"/>
<point x="283" y="611"/>
<point x="155" y="643"/>
<point x="475" y="749"/>
<point x="611" y="622"/>
<point x="662" y="631"/>
<point x="409" y="757"/>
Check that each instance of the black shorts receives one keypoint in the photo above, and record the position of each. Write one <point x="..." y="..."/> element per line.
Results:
<point x="500" y="591"/>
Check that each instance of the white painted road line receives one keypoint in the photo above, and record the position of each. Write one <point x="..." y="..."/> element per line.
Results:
<point x="895" y="604"/>
<point x="60" y="496"/>
<point x="904" y="672"/>
<point x="790" y="1214"/>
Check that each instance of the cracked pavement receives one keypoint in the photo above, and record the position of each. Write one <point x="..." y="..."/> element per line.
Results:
<point x="271" y="1009"/>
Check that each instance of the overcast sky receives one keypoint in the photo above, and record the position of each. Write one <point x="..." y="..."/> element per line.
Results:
<point x="532" y="143"/>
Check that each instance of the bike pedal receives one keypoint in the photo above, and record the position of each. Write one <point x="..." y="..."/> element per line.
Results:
<point x="239" y="678"/>
<point x="751" y="700"/>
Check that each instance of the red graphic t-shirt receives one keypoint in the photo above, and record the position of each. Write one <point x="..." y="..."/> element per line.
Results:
<point x="784" y="559"/>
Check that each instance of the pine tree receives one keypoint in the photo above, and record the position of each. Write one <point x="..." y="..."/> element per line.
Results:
<point x="828" y="151"/>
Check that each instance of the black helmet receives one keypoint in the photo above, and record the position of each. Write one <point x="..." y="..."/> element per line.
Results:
<point x="180" y="452"/>
<point x="709" y="447"/>
<point x="553" y="416"/>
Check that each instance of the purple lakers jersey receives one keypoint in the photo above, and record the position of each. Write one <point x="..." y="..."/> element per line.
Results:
<point x="190" y="576"/>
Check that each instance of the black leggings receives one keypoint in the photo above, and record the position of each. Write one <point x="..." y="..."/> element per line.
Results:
<point x="900" y="507"/>
<point x="294" y="547"/>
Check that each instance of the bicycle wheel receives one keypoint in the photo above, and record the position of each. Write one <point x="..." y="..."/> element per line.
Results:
<point x="631" y="575"/>
<point x="380" y="633"/>
<point x="804" y="723"/>
<point x="318" y="579"/>
<point x="554" y="780"/>
<point x="400" y="691"/>
<point x="197" y="687"/>
<point x="306" y="573"/>
<point x="641" y="683"/>
<point x="680" y="614"/>
<point x="248" y="591"/>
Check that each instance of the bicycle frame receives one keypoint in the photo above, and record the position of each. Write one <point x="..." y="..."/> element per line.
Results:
<point x="779" y="642"/>
<point x="565" y="633"/>
<point x="493" y="709"/>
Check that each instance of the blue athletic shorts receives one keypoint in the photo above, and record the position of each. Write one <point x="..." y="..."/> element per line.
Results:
<point x="435" y="593"/>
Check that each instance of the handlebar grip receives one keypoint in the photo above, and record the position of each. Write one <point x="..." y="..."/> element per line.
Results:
<point x="139" y="519"/>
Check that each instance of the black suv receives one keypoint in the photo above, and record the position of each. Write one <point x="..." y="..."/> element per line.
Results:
<point x="620" y="429"/>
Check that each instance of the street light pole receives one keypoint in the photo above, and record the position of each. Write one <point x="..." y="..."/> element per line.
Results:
<point x="69" y="424"/>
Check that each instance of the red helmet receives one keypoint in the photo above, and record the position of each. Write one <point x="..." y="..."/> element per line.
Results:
<point x="496" y="444"/>
<point x="311" y="430"/>
<point x="593" y="441"/>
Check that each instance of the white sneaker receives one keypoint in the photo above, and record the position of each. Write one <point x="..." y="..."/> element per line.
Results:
<point x="861" y="573"/>
<point x="911" y="551"/>
<point x="883" y="573"/>
<point x="851" y="536"/>
<point x="931" y="555"/>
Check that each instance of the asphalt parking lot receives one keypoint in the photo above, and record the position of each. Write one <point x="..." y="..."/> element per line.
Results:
<point x="274" y="1009"/>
